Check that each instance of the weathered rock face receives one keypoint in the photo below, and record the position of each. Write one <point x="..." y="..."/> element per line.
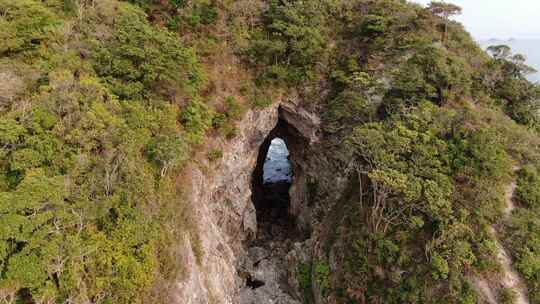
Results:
<point x="225" y="216"/>
<point x="241" y="264"/>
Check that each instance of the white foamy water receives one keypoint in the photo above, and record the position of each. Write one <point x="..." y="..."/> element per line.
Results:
<point x="277" y="167"/>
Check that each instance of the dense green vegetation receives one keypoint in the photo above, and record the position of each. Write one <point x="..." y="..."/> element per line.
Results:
<point x="103" y="102"/>
<point x="523" y="230"/>
<point x="432" y="187"/>
<point x="100" y="109"/>
<point x="418" y="113"/>
<point x="292" y="40"/>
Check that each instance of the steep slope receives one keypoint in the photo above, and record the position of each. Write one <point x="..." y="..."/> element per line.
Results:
<point x="131" y="132"/>
<point x="511" y="279"/>
<point x="417" y="136"/>
<point x="106" y="107"/>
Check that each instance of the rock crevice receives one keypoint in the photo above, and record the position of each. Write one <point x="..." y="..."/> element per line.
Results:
<point x="242" y="263"/>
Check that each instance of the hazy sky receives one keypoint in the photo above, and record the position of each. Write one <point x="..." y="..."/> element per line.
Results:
<point x="502" y="19"/>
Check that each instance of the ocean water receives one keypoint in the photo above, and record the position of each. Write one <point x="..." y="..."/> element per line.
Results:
<point x="528" y="47"/>
<point x="277" y="167"/>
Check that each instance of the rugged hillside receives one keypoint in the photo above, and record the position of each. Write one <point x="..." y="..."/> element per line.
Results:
<point x="133" y="135"/>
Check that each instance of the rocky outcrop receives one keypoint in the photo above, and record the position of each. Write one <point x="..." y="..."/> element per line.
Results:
<point x="282" y="242"/>
<point x="226" y="220"/>
<point x="306" y="123"/>
<point x="244" y="263"/>
<point x="225" y="216"/>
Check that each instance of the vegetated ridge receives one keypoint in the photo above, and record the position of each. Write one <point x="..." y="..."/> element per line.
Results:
<point x="105" y="103"/>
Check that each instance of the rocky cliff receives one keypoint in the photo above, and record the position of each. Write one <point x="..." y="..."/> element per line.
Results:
<point x="226" y="215"/>
<point x="234" y="251"/>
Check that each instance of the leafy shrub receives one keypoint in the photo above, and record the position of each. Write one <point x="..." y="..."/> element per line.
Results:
<point x="294" y="41"/>
<point x="196" y="119"/>
<point x="507" y="296"/>
<point x="202" y="13"/>
<point x="234" y="109"/>
<point x="322" y="277"/>
<point x="528" y="187"/>
<point x="70" y="6"/>
<point x="303" y="274"/>
<point x="440" y="266"/>
<point x="430" y="74"/>
<point x="509" y="85"/>
<point x="178" y="3"/>
<point x="373" y="25"/>
<point x="226" y="122"/>
<point x="348" y="106"/>
<point x="261" y="101"/>
<point x="215" y="154"/>
<point x="140" y="59"/>
<point x="169" y="152"/>
<point x="11" y="131"/>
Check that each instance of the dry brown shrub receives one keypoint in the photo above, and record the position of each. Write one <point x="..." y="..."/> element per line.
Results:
<point x="10" y="86"/>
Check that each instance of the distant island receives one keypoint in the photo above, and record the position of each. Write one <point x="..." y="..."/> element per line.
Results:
<point x="512" y="39"/>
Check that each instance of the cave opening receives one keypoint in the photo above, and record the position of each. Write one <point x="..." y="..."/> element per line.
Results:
<point x="272" y="179"/>
<point x="275" y="181"/>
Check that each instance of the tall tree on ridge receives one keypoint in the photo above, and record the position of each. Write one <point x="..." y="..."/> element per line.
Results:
<point x="444" y="10"/>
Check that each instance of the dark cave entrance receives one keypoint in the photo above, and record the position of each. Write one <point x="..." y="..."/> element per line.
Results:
<point x="278" y="213"/>
<point x="272" y="179"/>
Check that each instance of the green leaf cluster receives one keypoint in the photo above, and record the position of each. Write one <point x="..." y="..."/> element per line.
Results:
<point x="142" y="61"/>
<point x="25" y="24"/>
